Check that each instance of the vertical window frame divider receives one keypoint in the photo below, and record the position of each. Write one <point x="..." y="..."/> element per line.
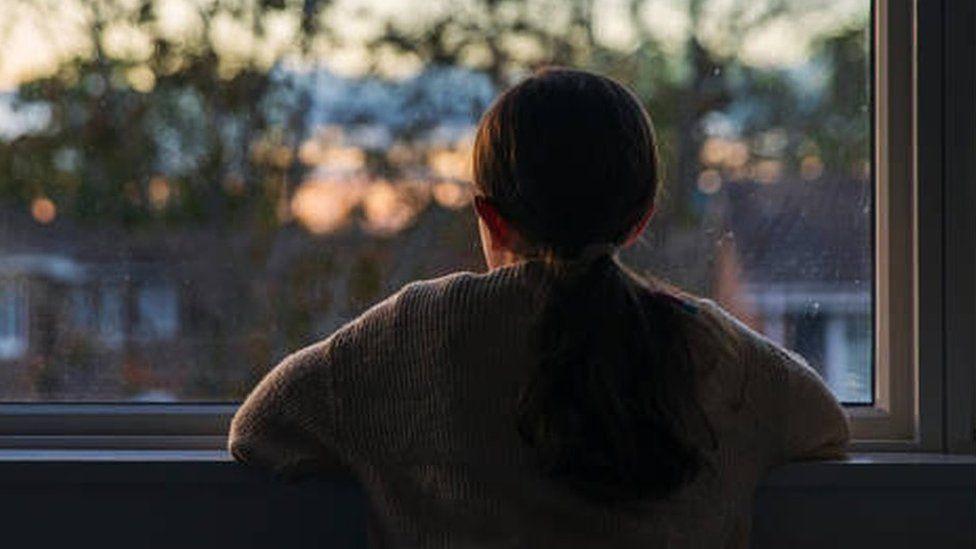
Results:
<point x="909" y="256"/>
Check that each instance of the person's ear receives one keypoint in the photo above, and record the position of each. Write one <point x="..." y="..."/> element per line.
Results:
<point x="639" y="227"/>
<point x="501" y="233"/>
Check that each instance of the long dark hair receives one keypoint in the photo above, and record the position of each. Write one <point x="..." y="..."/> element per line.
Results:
<point x="569" y="159"/>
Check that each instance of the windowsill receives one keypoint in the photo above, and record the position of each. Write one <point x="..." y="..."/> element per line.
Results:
<point x="201" y="498"/>
<point x="878" y="469"/>
<point x="216" y="467"/>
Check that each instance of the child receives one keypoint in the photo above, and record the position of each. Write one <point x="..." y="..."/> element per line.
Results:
<point x="557" y="400"/>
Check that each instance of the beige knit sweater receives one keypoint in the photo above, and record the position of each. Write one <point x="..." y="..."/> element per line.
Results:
<point x="415" y="398"/>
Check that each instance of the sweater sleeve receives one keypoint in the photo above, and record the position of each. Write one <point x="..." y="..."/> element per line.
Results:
<point x="800" y="416"/>
<point x="287" y="424"/>
<point x="816" y="425"/>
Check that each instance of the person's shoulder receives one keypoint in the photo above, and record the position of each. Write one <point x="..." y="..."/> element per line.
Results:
<point x="759" y="357"/>
<point x="406" y="309"/>
<point x="742" y="359"/>
<point x="713" y="313"/>
<point x="463" y="290"/>
<point x="801" y="417"/>
<point x="748" y="341"/>
<point x="369" y="339"/>
<point x="440" y="287"/>
<point x="709" y="326"/>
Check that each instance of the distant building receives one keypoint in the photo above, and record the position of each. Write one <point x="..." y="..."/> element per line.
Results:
<point x="198" y="311"/>
<point x="796" y="264"/>
<point x="66" y="309"/>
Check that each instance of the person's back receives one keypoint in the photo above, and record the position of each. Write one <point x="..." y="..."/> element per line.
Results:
<point x="556" y="400"/>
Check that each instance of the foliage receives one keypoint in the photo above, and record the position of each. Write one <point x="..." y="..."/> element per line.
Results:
<point x="194" y="137"/>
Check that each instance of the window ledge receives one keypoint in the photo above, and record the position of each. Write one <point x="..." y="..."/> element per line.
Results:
<point x="877" y="470"/>
<point x="202" y="498"/>
<point x="862" y="470"/>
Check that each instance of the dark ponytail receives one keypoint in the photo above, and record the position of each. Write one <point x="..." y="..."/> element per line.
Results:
<point x="610" y="401"/>
<point x="568" y="158"/>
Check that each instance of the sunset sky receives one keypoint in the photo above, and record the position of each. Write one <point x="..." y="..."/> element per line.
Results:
<point x="36" y="35"/>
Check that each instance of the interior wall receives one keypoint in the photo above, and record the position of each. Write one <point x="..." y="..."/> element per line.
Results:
<point x="221" y="504"/>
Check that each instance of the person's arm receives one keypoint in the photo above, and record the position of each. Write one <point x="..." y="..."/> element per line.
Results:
<point x="287" y="424"/>
<point x="801" y="417"/>
<point x="816" y="425"/>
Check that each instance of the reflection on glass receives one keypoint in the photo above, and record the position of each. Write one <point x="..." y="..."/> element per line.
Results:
<point x="189" y="189"/>
<point x="13" y="329"/>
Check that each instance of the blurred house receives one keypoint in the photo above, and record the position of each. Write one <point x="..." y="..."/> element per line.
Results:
<point x="192" y="310"/>
<point x="69" y="310"/>
<point x="200" y="311"/>
<point x="795" y="262"/>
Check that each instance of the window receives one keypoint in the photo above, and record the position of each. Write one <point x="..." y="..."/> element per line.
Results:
<point x="111" y="316"/>
<point x="13" y="321"/>
<point x="232" y="180"/>
<point x="157" y="311"/>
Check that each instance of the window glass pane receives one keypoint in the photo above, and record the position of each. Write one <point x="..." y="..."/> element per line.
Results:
<point x="190" y="189"/>
<point x="156" y="305"/>
<point x="13" y="329"/>
<point x="111" y="316"/>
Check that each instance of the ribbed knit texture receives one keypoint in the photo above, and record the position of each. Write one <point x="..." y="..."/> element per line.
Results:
<point x="416" y="398"/>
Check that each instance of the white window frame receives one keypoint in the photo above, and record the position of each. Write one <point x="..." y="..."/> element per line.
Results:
<point x="913" y="259"/>
<point x="890" y="421"/>
<point x="924" y="281"/>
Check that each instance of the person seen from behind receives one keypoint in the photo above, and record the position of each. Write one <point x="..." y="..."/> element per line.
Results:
<point x="557" y="399"/>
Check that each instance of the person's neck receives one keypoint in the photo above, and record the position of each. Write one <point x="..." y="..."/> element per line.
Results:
<point x="500" y="258"/>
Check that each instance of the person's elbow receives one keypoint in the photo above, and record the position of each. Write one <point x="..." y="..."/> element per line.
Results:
<point x="240" y="441"/>
<point x="831" y="442"/>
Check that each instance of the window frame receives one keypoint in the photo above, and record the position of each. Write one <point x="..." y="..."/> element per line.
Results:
<point x="891" y="420"/>
<point x="925" y="280"/>
<point x="912" y="261"/>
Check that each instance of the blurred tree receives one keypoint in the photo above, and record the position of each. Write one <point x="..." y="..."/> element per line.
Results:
<point x="214" y="110"/>
<point x="188" y="133"/>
